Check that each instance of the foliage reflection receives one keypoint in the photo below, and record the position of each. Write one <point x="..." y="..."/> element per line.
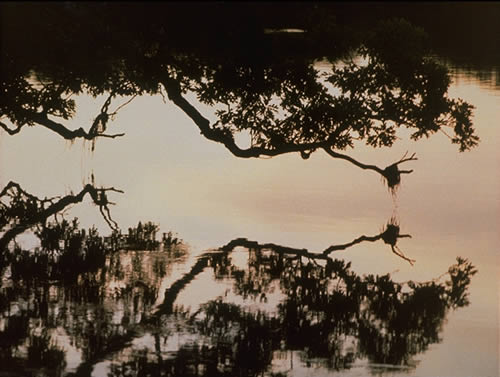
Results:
<point x="102" y="298"/>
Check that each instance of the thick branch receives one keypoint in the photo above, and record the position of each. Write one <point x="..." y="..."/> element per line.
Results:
<point x="352" y="243"/>
<point x="390" y="173"/>
<point x="390" y="235"/>
<point x="353" y="161"/>
<point x="243" y="242"/>
<point x="225" y="137"/>
<point x="171" y="294"/>
<point x="166" y="307"/>
<point x="66" y="133"/>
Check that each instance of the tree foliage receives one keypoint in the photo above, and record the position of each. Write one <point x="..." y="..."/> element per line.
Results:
<point x="257" y="80"/>
<point x="307" y="302"/>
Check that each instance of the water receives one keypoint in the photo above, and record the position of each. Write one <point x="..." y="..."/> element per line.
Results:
<point x="253" y="310"/>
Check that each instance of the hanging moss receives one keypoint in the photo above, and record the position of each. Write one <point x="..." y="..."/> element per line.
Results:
<point x="392" y="176"/>
<point x="391" y="232"/>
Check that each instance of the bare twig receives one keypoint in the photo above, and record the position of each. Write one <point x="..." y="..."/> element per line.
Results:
<point x="448" y="136"/>
<point x="111" y="136"/>
<point x="122" y="105"/>
<point x="403" y="159"/>
<point x="396" y="250"/>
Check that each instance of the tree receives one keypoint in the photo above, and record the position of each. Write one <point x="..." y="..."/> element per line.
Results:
<point x="323" y="304"/>
<point x="256" y="79"/>
<point x="323" y="301"/>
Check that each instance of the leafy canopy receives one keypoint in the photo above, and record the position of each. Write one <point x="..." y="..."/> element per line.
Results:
<point x="257" y="79"/>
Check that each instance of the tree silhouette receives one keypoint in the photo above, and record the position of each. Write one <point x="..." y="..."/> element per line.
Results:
<point x="326" y="312"/>
<point x="83" y="275"/>
<point x="258" y="82"/>
<point x="20" y="211"/>
<point x="326" y="304"/>
<point x="312" y="317"/>
<point x="322" y="307"/>
<point x="389" y="235"/>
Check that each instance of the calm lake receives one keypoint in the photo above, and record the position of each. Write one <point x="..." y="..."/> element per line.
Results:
<point x="197" y="304"/>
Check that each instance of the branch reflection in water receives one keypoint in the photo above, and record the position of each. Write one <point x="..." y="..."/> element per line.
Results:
<point x="115" y="299"/>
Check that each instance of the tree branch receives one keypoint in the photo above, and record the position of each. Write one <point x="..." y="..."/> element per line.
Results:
<point x="396" y="250"/>
<point x="363" y="238"/>
<point x="403" y="159"/>
<point x="11" y="131"/>
<point x="225" y="137"/>
<point x="66" y="133"/>
<point x="391" y="173"/>
<point x="390" y="236"/>
<point x="166" y="307"/>
<point x="98" y="195"/>
<point x="96" y="130"/>
<point x="353" y="161"/>
<point x="243" y="242"/>
<point x="171" y="294"/>
<point x="123" y="105"/>
<point x="15" y="185"/>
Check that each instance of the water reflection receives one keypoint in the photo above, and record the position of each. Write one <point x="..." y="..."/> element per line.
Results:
<point x="20" y="210"/>
<point x="86" y="304"/>
<point x="80" y="299"/>
<point x="77" y="291"/>
<point x="487" y="78"/>
<point x="390" y="236"/>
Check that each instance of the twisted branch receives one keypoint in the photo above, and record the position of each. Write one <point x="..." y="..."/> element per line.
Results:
<point x="11" y="131"/>
<point x="390" y="236"/>
<point x="15" y="185"/>
<point x="66" y="133"/>
<point x="391" y="173"/>
<point x="98" y="196"/>
<point x="96" y="130"/>
<point x="171" y="293"/>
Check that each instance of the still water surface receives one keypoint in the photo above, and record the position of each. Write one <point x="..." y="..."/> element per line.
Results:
<point x="172" y="176"/>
